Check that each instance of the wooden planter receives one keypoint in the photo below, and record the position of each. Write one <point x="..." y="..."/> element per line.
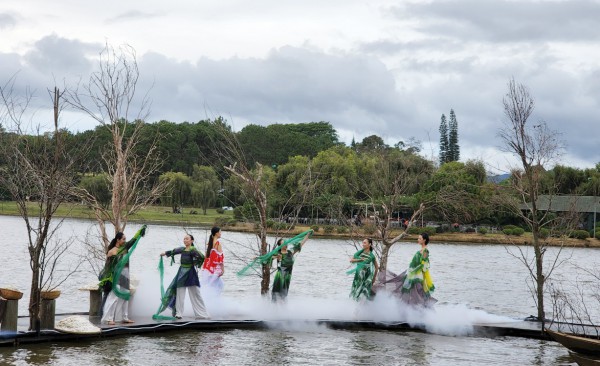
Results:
<point x="50" y="295"/>
<point x="10" y="294"/>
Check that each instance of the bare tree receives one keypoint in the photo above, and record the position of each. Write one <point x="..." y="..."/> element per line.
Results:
<point x="255" y="184"/>
<point x="39" y="172"/>
<point x="394" y="178"/>
<point x="109" y="97"/>
<point x="535" y="146"/>
<point x="576" y="304"/>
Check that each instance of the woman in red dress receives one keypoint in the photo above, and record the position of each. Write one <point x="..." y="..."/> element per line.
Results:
<point x="213" y="267"/>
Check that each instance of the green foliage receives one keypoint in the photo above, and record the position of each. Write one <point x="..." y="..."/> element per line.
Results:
<point x="457" y="192"/>
<point x="369" y="229"/>
<point x="178" y="191"/>
<point x="415" y="230"/>
<point x="205" y="187"/>
<point x="285" y="140"/>
<point x="342" y="229"/>
<point x="482" y="231"/>
<point x="315" y="228"/>
<point x="98" y="186"/>
<point x="544" y="233"/>
<point x="453" y="147"/>
<point x="444" y="144"/>
<point x="579" y="234"/>
<point x="328" y="229"/>
<point x="220" y="210"/>
<point x="513" y="230"/>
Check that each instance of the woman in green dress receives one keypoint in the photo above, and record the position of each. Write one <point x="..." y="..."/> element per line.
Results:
<point x="414" y="286"/>
<point x="285" y="264"/>
<point x="365" y="271"/>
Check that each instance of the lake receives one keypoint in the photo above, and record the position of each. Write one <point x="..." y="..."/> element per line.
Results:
<point x="475" y="283"/>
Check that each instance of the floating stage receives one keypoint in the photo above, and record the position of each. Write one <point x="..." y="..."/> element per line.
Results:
<point x="146" y="325"/>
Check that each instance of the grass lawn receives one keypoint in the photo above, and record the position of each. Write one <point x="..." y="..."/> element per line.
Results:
<point x="151" y="214"/>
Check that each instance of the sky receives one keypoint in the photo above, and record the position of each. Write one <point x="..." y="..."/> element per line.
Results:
<point x="389" y="68"/>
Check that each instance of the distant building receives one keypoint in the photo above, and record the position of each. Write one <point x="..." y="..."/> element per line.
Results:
<point x="587" y="206"/>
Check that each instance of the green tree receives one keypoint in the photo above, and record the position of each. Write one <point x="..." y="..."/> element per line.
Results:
<point x="99" y="186"/>
<point x="444" y="143"/>
<point x="178" y="191"/>
<point x="205" y="187"/>
<point x="453" y="147"/>
<point x="455" y="192"/>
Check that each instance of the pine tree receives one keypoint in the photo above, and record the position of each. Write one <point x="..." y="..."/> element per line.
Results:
<point x="443" y="140"/>
<point x="453" y="147"/>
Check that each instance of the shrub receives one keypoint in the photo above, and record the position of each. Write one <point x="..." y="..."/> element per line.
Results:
<point x="315" y="228"/>
<point x="280" y="226"/>
<point x="518" y="231"/>
<point x="270" y="224"/>
<point x="237" y="213"/>
<point x="220" y="211"/>
<point x="369" y="229"/>
<point x="507" y="231"/>
<point x="342" y="229"/>
<point x="544" y="233"/>
<point x="232" y="222"/>
<point x="482" y="231"/>
<point x="221" y="221"/>
<point x="509" y="227"/>
<point x="579" y="234"/>
<point x="328" y="229"/>
<point x="419" y="230"/>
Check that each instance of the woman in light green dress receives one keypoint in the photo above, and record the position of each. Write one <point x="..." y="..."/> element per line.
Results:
<point x="365" y="271"/>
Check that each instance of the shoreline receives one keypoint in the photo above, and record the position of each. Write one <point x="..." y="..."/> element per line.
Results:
<point x="438" y="238"/>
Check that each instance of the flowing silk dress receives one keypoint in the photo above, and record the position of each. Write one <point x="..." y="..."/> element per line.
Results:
<point x="283" y="276"/>
<point x="414" y="286"/>
<point x="116" y="291"/>
<point x="185" y="279"/>
<point x="364" y="273"/>
<point x="211" y="273"/>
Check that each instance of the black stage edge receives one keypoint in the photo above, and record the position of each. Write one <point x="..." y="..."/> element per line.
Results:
<point x="526" y="329"/>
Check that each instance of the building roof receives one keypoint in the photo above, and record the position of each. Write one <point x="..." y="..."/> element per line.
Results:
<point x="567" y="203"/>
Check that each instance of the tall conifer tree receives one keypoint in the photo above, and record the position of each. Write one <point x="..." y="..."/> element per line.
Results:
<point x="444" y="143"/>
<point x="453" y="147"/>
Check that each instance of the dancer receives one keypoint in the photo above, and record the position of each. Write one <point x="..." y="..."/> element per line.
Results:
<point x="185" y="279"/>
<point x="114" y="278"/>
<point x="285" y="264"/>
<point x="414" y="286"/>
<point x="267" y="259"/>
<point x="213" y="267"/>
<point x="365" y="271"/>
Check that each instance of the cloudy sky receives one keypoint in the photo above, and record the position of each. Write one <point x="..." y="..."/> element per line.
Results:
<point x="389" y="68"/>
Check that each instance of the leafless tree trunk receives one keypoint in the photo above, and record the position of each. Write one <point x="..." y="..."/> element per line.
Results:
<point x="392" y="181"/>
<point x="41" y="168"/>
<point x="108" y="97"/>
<point x="254" y="184"/>
<point x="535" y="146"/>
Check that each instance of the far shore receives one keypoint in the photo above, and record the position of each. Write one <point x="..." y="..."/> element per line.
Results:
<point x="193" y="217"/>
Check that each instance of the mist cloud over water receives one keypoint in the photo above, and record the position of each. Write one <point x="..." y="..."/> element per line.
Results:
<point x="304" y="313"/>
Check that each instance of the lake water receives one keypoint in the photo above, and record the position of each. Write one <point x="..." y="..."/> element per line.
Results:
<point x="475" y="283"/>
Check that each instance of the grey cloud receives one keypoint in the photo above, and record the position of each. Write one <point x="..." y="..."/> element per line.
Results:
<point x="7" y="21"/>
<point x="506" y="21"/>
<point x="357" y="93"/>
<point x="59" y="56"/>
<point x="291" y="84"/>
